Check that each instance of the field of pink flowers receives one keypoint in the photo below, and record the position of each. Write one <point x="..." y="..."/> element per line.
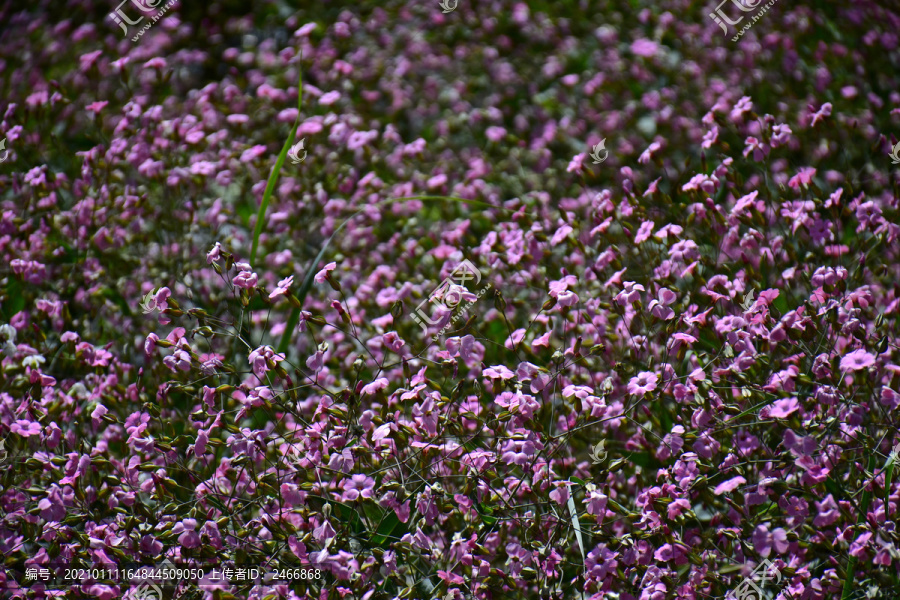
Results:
<point x="495" y="300"/>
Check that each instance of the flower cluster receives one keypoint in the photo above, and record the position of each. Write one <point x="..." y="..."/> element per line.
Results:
<point x="196" y="370"/>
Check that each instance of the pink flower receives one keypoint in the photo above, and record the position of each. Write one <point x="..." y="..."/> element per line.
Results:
<point x="803" y="177"/>
<point x="648" y="153"/>
<point x="660" y="308"/>
<point x="214" y="254"/>
<point x="329" y="98"/>
<point x="631" y="293"/>
<point x="596" y="504"/>
<point x="315" y="362"/>
<point x="758" y="149"/>
<point x="576" y="165"/>
<point x="643" y="383"/>
<point x="462" y="347"/>
<point x="179" y="360"/>
<point x="644" y="47"/>
<point x="282" y="287"/>
<point x="25" y="428"/>
<point x="322" y="275"/>
<point x="187" y="534"/>
<point x="782" y="409"/>
<point x="359" y="486"/>
<point x="150" y="343"/>
<point x="259" y="358"/>
<point x="710" y="137"/>
<point x="856" y="360"/>
<point x="820" y="114"/>
<point x="96" y="107"/>
<point x="436" y="181"/>
<point x="374" y="387"/>
<point x="644" y="232"/>
<point x="245" y="278"/>
<point x="495" y="134"/>
<point x="567" y="298"/>
<point x="729" y="485"/>
<point x="161" y="298"/>
<point x="393" y="341"/>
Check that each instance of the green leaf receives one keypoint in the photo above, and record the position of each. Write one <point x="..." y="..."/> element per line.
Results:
<point x="641" y="458"/>
<point x="484" y="512"/>
<point x="276" y="171"/>
<point x="385" y="530"/>
<point x="15" y="298"/>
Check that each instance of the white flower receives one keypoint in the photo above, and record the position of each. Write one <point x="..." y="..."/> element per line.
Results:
<point x="34" y="361"/>
<point x="8" y="332"/>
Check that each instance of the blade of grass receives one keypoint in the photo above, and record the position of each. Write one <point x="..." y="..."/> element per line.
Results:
<point x="310" y="273"/>
<point x="276" y="171"/>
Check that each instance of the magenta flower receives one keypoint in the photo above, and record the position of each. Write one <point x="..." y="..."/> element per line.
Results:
<point x="374" y="387"/>
<point x="179" y="360"/>
<point x="802" y="178"/>
<point x="161" y="298"/>
<point x="782" y="409"/>
<point x="96" y="107"/>
<point x="393" y="341"/>
<point x="25" y="428"/>
<point x="245" y="278"/>
<point x="660" y="308"/>
<point x="644" y="382"/>
<point x="187" y="534"/>
<point x="322" y="275"/>
<point x="282" y="287"/>
<point x="260" y="358"/>
<point x="644" y="47"/>
<point x="729" y="485"/>
<point x="759" y="150"/>
<point x="576" y="165"/>
<point x="359" y="486"/>
<point x="644" y="232"/>
<point x="631" y="293"/>
<point x="856" y="360"/>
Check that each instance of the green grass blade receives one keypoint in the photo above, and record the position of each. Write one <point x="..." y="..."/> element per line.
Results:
<point x="276" y="171"/>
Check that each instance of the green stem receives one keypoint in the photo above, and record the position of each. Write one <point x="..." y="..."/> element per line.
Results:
<point x="276" y="171"/>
